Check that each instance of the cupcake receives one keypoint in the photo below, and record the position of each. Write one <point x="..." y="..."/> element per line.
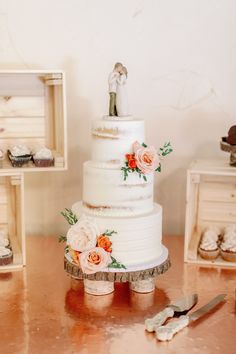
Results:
<point x="231" y="138"/>
<point x="19" y="155"/>
<point x="43" y="158"/>
<point x="208" y="248"/>
<point x="228" y="247"/>
<point x="6" y="256"/>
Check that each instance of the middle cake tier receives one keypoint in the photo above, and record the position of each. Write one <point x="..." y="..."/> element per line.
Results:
<point x="105" y="192"/>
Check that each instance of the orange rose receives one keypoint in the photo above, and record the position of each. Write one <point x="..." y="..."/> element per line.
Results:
<point x="131" y="161"/>
<point x="104" y="242"/>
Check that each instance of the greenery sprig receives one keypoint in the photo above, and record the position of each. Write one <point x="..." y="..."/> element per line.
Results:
<point x="165" y="150"/>
<point x="109" y="233"/>
<point x="116" y="264"/>
<point x="62" y="238"/>
<point x="126" y="170"/>
<point x="70" y="217"/>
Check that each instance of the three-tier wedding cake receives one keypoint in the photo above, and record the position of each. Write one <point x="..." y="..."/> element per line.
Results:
<point x="116" y="230"/>
<point x="125" y="206"/>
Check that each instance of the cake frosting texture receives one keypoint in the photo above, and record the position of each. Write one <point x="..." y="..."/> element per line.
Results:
<point x="112" y="139"/>
<point x="115" y="203"/>
<point x="106" y="193"/>
<point x="138" y="238"/>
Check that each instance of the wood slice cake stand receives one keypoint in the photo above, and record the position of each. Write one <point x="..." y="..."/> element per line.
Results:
<point x="141" y="278"/>
<point x="229" y="148"/>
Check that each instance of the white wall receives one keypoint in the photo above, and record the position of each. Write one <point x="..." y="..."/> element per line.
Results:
<point x="181" y="59"/>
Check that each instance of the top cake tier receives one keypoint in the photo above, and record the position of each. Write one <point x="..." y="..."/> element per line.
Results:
<point x="112" y="139"/>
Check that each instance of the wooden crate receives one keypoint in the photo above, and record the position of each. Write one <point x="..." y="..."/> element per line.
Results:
<point x="211" y="200"/>
<point x="33" y="112"/>
<point x="12" y="216"/>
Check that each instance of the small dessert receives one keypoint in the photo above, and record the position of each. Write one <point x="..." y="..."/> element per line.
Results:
<point x="231" y="138"/>
<point x="6" y="256"/>
<point x="43" y="158"/>
<point x="208" y="248"/>
<point x="228" y="247"/>
<point x="19" y="155"/>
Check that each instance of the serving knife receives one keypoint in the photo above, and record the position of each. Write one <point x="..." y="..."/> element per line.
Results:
<point x="164" y="333"/>
<point x="177" y="307"/>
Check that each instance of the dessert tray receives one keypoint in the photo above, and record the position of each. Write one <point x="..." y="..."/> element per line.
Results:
<point x="229" y="148"/>
<point x="134" y="273"/>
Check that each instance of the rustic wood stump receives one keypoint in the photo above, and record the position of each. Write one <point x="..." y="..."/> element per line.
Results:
<point x="143" y="285"/>
<point x="98" y="287"/>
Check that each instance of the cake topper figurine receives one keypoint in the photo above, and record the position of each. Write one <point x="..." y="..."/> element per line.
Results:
<point x="118" y="105"/>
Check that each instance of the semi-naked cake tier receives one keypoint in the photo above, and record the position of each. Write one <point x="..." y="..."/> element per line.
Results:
<point x="106" y="193"/>
<point x="123" y="206"/>
<point x="112" y="139"/>
<point x="138" y="239"/>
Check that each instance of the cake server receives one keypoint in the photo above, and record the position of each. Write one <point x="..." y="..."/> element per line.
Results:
<point x="177" y="307"/>
<point x="164" y="333"/>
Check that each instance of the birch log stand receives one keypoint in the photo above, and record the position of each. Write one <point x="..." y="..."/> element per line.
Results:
<point x="141" y="280"/>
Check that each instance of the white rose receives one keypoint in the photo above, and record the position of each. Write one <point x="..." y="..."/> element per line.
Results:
<point x="82" y="236"/>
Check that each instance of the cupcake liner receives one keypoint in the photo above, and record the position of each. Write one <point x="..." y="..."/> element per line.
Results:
<point x="43" y="162"/>
<point x="228" y="256"/>
<point x="208" y="254"/>
<point x="18" y="161"/>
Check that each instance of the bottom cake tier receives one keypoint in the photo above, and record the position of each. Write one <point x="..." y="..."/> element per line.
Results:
<point x="138" y="239"/>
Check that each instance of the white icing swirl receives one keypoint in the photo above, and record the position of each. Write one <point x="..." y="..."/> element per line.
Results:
<point x="229" y="245"/>
<point x="20" y="150"/>
<point x="208" y="245"/>
<point x="43" y="153"/>
<point x="230" y="235"/>
<point x="1" y="154"/>
<point x="210" y="235"/>
<point x="4" y="251"/>
<point x="4" y="242"/>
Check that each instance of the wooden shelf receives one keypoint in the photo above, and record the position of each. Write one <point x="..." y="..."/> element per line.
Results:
<point x="12" y="216"/>
<point x="210" y="201"/>
<point x="33" y="112"/>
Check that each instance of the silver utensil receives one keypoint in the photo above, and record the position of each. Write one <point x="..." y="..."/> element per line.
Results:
<point x="164" y="333"/>
<point x="177" y="307"/>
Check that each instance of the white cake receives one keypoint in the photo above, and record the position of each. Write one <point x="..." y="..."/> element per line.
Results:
<point x="125" y="206"/>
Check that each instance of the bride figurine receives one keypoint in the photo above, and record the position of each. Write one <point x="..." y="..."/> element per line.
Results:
<point x="121" y="93"/>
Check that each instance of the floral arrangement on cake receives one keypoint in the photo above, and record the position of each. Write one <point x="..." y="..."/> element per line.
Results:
<point x="89" y="248"/>
<point x="144" y="160"/>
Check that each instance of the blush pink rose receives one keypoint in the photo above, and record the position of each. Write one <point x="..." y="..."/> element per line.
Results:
<point x="147" y="159"/>
<point x="94" y="260"/>
<point x="82" y="236"/>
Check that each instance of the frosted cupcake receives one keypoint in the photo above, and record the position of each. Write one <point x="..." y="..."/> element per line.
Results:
<point x="19" y="155"/>
<point x="43" y="158"/>
<point x="6" y="256"/>
<point x="208" y="248"/>
<point x="228" y="247"/>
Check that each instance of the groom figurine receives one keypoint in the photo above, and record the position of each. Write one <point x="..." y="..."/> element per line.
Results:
<point x="112" y="81"/>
